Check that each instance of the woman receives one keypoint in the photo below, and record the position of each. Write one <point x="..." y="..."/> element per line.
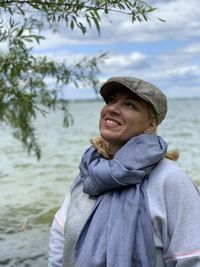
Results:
<point x="130" y="205"/>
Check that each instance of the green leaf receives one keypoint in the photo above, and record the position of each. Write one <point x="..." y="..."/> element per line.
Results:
<point x="72" y="24"/>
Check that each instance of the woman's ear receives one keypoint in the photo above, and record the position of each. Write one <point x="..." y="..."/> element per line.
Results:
<point x="151" y="126"/>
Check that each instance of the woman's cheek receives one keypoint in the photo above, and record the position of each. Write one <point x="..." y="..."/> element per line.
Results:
<point x="101" y="117"/>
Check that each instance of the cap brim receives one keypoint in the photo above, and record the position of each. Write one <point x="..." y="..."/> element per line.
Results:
<point x="112" y="86"/>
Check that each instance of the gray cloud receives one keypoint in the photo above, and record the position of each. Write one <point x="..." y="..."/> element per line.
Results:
<point x="175" y="69"/>
<point x="182" y="21"/>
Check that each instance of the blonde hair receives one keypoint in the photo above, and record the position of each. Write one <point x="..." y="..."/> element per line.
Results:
<point x="102" y="146"/>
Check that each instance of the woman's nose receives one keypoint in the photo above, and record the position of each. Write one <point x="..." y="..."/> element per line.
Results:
<point x="114" y="107"/>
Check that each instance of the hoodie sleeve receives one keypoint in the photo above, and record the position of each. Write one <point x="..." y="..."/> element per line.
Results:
<point x="182" y="242"/>
<point x="57" y="240"/>
<point x="175" y="210"/>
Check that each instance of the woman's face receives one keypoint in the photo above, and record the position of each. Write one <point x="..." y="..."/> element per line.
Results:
<point x="124" y="116"/>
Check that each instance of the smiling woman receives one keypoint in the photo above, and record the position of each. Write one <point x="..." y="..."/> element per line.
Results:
<point x="125" y="115"/>
<point x="129" y="205"/>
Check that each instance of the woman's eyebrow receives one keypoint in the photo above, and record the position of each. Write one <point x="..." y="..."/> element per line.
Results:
<point x="133" y="99"/>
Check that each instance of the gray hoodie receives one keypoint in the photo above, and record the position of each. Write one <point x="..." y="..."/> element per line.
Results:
<point x="174" y="204"/>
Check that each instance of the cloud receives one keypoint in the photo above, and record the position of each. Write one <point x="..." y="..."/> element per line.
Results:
<point x="182" y="22"/>
<point x="165" y="53"/>
<point x="124" y="62"/>
<point x="192" y="49"/>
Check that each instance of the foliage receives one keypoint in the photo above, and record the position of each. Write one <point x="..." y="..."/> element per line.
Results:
<point x="24" y="90"/>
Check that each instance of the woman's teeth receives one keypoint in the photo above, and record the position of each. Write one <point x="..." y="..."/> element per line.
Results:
<point x="111" y="123"/>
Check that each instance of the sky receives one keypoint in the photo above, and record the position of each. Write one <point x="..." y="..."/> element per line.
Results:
<point x="166" y="54"/>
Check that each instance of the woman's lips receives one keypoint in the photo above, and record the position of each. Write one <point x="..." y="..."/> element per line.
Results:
<point x="110" y="123"/>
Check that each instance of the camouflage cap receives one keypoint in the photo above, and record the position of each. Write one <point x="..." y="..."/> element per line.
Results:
<point x="143" y="89"/>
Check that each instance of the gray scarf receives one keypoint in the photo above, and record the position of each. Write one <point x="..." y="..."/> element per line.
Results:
<point x="118" y="232"/>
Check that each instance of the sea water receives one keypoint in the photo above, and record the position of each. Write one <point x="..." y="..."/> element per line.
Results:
<point x="31" y="191"/>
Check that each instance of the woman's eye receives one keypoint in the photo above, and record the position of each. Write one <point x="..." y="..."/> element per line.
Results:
<point x="130" y="105"/>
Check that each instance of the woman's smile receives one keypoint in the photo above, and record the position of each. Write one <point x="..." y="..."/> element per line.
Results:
<point x="111" y="123"/>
